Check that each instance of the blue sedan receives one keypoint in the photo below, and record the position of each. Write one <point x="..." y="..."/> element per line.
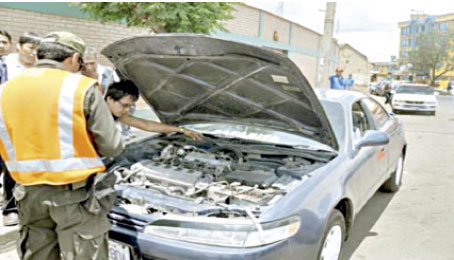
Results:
<point x="281" y="172"/>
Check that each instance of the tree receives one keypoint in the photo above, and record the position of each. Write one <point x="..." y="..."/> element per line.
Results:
<point x="195" y="17"/>
<point x="433" y="54"/>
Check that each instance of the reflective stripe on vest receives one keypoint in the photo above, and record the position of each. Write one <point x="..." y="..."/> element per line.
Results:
<point x="4" y="135"/>
<point x="69" y="167"/>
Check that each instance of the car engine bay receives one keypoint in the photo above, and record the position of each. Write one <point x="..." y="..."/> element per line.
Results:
<point x="215" y="177"/>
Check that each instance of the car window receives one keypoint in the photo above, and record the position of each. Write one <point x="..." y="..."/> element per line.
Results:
<point x="359" y="120"/>
<point x="379" y="115"/>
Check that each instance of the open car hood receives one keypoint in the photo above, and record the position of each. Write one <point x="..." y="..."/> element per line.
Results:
<point x="190" y="78"/>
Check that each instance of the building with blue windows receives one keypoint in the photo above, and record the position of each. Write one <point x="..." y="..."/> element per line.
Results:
<point x="418" y="23"/>
<point x="410" y="30"/>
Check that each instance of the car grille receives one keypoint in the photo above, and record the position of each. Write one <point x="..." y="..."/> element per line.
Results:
<point x="414" y="102"/>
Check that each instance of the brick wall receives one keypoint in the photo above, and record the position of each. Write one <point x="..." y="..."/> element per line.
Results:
<point x="246" y="21"/>
<point x="94" y="33"/>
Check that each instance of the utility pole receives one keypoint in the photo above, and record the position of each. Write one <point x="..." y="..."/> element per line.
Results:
<point x="324" y="64"/>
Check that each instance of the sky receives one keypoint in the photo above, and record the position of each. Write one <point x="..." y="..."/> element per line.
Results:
<point x="368" y="26"/>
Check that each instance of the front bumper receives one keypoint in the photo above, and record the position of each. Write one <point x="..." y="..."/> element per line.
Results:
<point x="416" y="108"/>
<point x="153" y="247"/>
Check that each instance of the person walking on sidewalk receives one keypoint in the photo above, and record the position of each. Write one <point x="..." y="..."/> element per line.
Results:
<point x="56" y="127"/>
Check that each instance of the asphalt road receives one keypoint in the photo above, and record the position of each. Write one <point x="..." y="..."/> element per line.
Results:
<point x="417" y="222"/>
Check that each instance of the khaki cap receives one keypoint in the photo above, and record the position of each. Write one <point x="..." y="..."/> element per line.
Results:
<point x="67" y="39"/>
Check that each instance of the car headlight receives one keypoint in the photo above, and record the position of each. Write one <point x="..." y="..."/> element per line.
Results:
<point x="227" y="235"/>
<point x="432" y="103"/>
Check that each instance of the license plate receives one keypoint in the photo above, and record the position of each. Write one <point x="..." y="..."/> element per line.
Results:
<point x="118" y="251"/>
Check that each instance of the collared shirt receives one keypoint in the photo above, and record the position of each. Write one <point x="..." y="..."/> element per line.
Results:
<point x="13" y="66"/>
<point x="336" y="82"/>
<point x="349" y="83"/>
<point x="100" y="122"/>
<point x="106" y="77"/>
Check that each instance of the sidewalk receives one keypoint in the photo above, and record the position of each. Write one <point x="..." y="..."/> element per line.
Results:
<point x="8" y="234"/>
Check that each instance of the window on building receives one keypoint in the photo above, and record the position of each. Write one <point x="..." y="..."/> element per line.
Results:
<point x="404" y="43"/>
<point x="443" y="26"/>
<point x="404" y="31"/>
<point x="414" y="29"/>
<point x="404" y="54"/>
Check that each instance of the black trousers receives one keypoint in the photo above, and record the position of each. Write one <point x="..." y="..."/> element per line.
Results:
<point x="8" y="186"/>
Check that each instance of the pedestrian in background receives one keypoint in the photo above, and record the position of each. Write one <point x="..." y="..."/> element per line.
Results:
<point x="349" y="82"/>
<point x="387" y="91"/>
<point x="16" y="63"/>
<point x="105" y="75"/>
<point x="57" y="126"/>
<point x="337" y="81"/>
<point x="8" y="210"/>
<point x="25" y="57"/>
<point x="5" y="48"/>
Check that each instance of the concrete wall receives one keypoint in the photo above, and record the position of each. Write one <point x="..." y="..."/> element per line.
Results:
<point x="307" y="65"/>
<point x="355" y="64"/>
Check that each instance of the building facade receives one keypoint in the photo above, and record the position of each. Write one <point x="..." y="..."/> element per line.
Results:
<point x="418" y="23"/>
<point x="250" y="25"/>
<point x="409" y="32"/>
<point x="355" y="63"/>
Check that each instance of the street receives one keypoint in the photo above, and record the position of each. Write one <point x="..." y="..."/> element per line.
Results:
<point x="416" y="222"/>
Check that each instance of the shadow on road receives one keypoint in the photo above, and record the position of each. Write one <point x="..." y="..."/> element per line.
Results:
<point x="364" y="222"/>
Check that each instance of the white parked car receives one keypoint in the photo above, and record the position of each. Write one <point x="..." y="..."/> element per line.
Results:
<point x="414" y="97"/>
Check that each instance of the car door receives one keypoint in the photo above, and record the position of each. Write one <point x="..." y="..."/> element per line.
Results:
<point x="381" y="121"/>
<point x="364" y="159"/>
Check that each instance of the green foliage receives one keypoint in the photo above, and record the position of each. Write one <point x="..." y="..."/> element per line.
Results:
<point x="433" y="55"/>
<point x="193" y="17"/>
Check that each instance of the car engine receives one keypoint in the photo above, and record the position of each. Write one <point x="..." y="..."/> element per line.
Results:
<point x="175" y="175"/>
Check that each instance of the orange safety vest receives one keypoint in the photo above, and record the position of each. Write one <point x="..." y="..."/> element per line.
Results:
<point x="43" y="130"/>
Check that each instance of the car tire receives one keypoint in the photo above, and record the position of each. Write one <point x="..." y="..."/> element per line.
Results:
<point x="432" y="113"/>
<point x="395" y="181"/>
<point x="333" y="237"/>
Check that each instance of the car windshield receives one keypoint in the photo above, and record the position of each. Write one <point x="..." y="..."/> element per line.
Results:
<point x="415" y="90"/>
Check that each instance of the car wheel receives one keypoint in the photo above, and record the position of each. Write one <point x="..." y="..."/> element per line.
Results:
<point x="333" y="237"/>
<point x="395" y="181"/>
<point x="432" y="113"/>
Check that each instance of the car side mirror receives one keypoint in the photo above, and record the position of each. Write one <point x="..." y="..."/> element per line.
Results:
<point x="371" y="138"/>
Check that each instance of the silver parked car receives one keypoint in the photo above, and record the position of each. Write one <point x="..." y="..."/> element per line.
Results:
<point x="281" y="172"/>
